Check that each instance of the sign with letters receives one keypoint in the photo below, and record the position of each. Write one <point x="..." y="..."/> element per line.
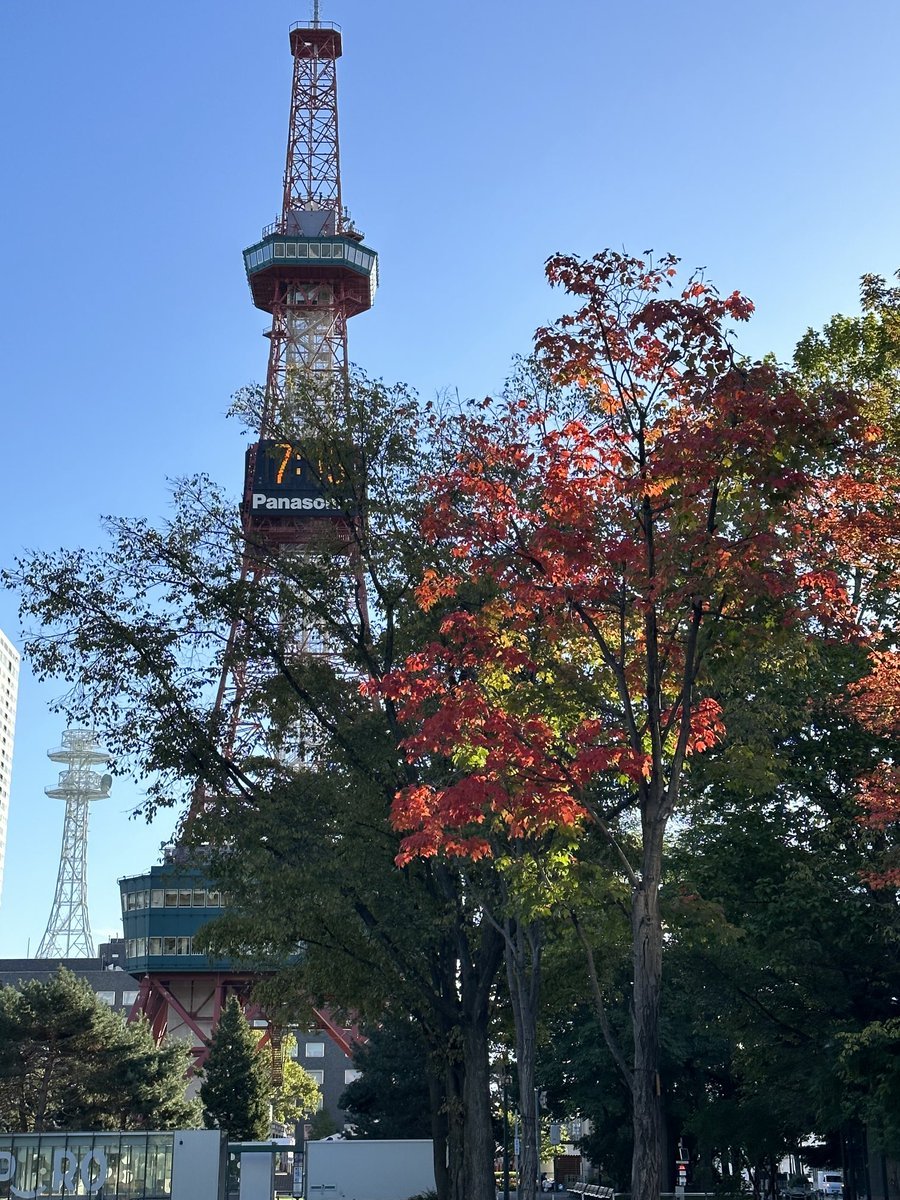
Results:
<point x="105" y="1165"/>
<point x="60" y="1176"/>
<point x="283" y="484"/>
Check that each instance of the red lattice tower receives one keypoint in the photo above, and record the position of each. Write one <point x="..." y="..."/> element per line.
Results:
<point x="311" y="272"/>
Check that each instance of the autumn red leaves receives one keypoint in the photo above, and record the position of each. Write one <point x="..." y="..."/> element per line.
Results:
<point x="593" y="537"/>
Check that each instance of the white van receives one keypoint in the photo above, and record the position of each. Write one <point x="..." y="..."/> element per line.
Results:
<point x="831" y="1183"/>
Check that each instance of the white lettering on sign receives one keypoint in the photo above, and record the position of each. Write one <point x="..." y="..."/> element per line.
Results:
<point x="93" y="1169"/>
<point x="94" y="1182"/>
<point x="65" y="1164"/>
<point x="292" y="503"/>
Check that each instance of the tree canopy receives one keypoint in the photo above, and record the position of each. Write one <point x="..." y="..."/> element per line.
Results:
<point x="67" y="1061"/>
<point x="390" y="1098"/>
<point x="617" y="630"/>
<point x="667" y="498"/>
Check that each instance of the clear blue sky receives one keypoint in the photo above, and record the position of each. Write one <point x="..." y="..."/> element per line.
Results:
<point x="143" y="151"/>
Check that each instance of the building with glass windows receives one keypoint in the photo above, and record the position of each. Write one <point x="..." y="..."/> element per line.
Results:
<point x="9" y="690"/>
<point x="182" y="990"/>
<point x="162" y="911"/>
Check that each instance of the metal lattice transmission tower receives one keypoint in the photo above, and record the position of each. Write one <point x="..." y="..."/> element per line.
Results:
<point x="68" y="932"/>
<point x="311" y="272"/>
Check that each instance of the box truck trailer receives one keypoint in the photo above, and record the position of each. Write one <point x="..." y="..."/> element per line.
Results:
<point x="365" y="1169"/>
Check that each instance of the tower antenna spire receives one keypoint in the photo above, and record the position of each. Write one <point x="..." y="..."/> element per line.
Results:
<point x="315" y="12"/>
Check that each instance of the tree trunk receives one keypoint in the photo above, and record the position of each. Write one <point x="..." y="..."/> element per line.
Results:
<point x="522" y="948"/>
<point x="42" y="1096"/>
<point x="455" y="1111"/>
<point x="478" y="1148"/>
<point x="437" y="1099"/>
<point x="646" y="931"/>
<point x="465" y="973"/>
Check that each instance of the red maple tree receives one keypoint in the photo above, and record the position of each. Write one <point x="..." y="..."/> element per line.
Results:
<point x="855" y="516"/>
<point x="875" y="702"/>
<point x="605" y="534"/>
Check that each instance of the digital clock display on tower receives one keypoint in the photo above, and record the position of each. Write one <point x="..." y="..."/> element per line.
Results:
<point x="285" y="484"/>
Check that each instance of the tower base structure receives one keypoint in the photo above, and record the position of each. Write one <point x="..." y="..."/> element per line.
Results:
<point x="182" y="991"/>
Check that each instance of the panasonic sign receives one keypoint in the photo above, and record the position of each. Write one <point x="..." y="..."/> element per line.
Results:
<point x="318" y="504"/>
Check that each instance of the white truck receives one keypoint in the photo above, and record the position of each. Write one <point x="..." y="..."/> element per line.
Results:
<point x="366" y="1169"/>
<point x="830" y="1182"/>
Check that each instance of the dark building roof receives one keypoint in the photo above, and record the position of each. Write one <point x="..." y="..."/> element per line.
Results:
<point x="103" y="973"/>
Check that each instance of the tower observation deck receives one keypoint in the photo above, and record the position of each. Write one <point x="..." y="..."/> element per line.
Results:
<point x="311" y="271"/>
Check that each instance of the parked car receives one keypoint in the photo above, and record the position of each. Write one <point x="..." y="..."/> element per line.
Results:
<point x="797" y="1187"/>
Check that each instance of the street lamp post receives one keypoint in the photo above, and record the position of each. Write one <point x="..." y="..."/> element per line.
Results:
<point x="504" y="1078"/>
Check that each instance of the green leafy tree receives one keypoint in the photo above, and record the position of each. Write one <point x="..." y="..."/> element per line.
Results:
<point x="297" y="826"/>
<point x="67" y="1061"/>
<point x="870" y="1069"/>
<point x="236" y="1085"/>
<point x="390" y="1099"/>
<point x="322" y="1125"/>
<point x="297" y="1095"/>
<point x="777" y="946"/>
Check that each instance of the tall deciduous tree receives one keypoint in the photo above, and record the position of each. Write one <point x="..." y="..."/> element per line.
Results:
<point x="864" y="352"/>
<point x="235" y="1089"/>
<point x="297" y="819"/>
<point x="602" y="544"/>
<point x="68" y="1062"/>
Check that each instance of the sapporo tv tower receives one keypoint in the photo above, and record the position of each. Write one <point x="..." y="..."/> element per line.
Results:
<point x="311" y="272"/>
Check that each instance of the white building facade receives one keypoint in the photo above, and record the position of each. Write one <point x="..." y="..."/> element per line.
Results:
<point x="9" y="690"/>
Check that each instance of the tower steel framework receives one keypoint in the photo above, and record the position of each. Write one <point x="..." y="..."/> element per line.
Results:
<point x="311" y="272"/>
<point x="68" y="932"/>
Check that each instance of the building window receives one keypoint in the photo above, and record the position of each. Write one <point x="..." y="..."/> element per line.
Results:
<point x="315" y="1050"/>
<point x="128" y="998"/>
<point x="350" y="1076"/>
<point x="318" y="1077"/>
<point x="107" y="998"/>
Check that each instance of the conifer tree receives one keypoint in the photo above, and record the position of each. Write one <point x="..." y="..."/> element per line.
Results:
<point x="69" y="1062"/>
<point x="235" y="1091"/>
